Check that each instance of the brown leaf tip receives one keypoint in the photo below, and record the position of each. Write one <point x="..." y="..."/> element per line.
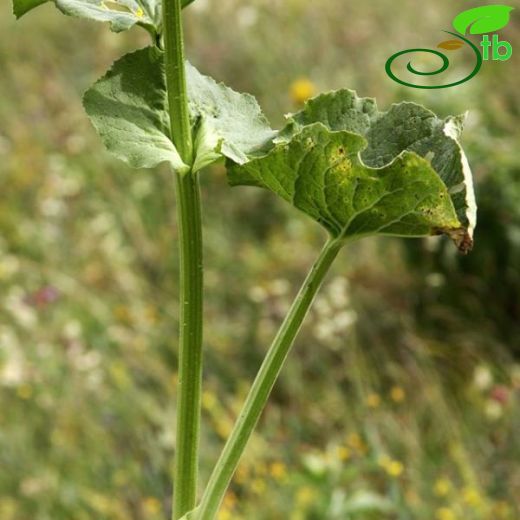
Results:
<point x="463" y="240"/>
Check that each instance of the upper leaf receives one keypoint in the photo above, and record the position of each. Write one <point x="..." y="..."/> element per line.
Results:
<point x="484" y="19"/>
<point x="128" y="107"/>
<point x="406" y="126"/>
<point x="121" y="14"/>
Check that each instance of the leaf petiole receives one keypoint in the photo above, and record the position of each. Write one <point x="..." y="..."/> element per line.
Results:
<point x="260" y="390"/>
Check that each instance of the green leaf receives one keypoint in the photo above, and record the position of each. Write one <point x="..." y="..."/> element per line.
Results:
<point x="319" y="171"/>
<point x="232" y="123"/>
<point x="406" y="126"/>
<point x="20" y="7"/>
<point x="121" y="14"/>
<point x="484" y="19"/>
<point x="128" y="107"/>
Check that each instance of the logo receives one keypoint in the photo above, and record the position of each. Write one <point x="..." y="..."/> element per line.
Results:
<point x="480" y="20"/>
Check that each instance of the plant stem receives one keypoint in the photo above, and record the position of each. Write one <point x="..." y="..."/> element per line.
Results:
<point x="190" y="345"/>
<point x="263" y="384"/>
<point x="176" y="79"/>
<point x="191" y="282"/>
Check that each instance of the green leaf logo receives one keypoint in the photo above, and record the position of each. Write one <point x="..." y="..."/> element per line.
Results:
<point x="481" y="20"/>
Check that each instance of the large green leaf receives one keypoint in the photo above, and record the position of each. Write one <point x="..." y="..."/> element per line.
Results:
<point x="121" y="14"/>
<point x="406" y="126"/>
<point x="128" y="107"/>
<point x="320" y="172"/>
<point x="483" y="19"/>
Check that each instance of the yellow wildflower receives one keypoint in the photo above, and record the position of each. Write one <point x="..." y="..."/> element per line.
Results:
<point x="278" y="470"/>
<point x="471" y="497"/>
<point x="223" y="428"/>
<point x="445" y="513"/>
<point x="224" y="514"/>
<point x="151" y="506"/>
<point x="139" y="13"/>
<point x="373" y="400"/>
<point x="442" y="487"/>
<point x="397" y="394"/>
<point x="355" y="442"/>
<point x="230" y="500"/>
<point x="394" y="468"/>
<point x="258" y="486"/>
<point x="305" y="496"/>
<point x="343" y="453"/>
<point x="301" y="90"/>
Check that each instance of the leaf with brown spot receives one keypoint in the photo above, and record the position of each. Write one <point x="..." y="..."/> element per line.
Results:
<point x="336" y="155"/>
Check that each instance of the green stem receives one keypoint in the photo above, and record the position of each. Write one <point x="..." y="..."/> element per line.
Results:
<point x="263" y="384"/>
<point x="190" y="345"/>
<point x="191" y="288"/>
<point x="176" y="79"/>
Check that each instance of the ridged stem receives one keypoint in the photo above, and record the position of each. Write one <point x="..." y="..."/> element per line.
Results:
<point x="191" y="270"/>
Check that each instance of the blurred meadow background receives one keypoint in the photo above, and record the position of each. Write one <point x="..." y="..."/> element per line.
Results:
<point x="401" y="398"/>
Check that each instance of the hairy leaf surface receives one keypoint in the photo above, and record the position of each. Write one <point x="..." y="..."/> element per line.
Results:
<point x="320" y="172"/>
<point x="232" y="119"/>
<point x="406" y="126"/>
<point x="128" y="107"/>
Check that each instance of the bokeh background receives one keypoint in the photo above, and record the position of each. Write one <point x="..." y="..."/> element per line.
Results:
<point x="401" y="397"/>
